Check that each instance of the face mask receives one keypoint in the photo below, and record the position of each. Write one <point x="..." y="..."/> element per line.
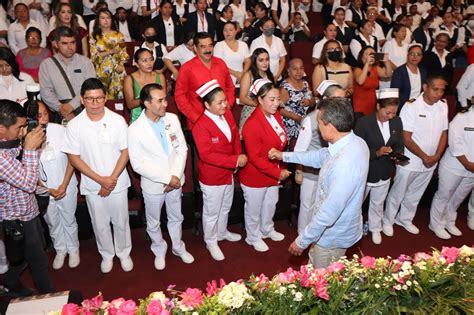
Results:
<point x="335" y="55"/>
<point x="269" y="31"/>
<point x="471" y="24"/>
<point x="151" y="39"/>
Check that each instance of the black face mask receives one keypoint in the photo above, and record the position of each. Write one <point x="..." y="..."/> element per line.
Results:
<point x="335" y="55"/>
<point x="151" y="39"/>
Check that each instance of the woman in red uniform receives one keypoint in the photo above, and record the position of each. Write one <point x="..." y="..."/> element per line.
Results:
<point x="220" y="154"/>
<point x="260" y="178"/>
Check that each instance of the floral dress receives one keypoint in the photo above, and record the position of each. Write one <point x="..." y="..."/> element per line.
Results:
<point x="294" y="105"/>
<point x="105" y="66"/>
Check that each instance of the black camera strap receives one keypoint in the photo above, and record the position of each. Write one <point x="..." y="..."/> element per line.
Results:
<point x="66" y="79"/>
<point x="10" y="144"/>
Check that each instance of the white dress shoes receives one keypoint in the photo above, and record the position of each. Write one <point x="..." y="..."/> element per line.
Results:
<point x="453" y="230"/>
<point x="387" y="230"/>
<point x="160" y="263"/>
<point x="74" y="260"/>
<point x="186" y="257"/>
<point x="58" y="261"/>
<point x="229" y="236"/>
<point x="259" y="245"/>
<point x="127" y="264"/>
<point x="409" y="227"/>
<point x="441" y="233"/>
<point x="376" y="237"/>
<point x="106" y="265"/>
<point x="275" y="236"/>
<point x="216" y="252"/>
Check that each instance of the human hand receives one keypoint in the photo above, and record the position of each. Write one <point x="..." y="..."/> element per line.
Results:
<point x="104" y="192"/>
<point x="299" y="177"/>
<point x="174" y="183"/>
<point x="274" y="154"/>
<point x="34" y="139"/>
<point x="295" y="249"/>
<point x="108" y="182"/>
<point x="284" y="174"/>
<point x="66" y="109"/>
<point x="60" y="192"/>
<point x="383" y="151"/>
<point x="242" y="160"/>
<point x="168" y="188"/>
<point x="430" y="161"/>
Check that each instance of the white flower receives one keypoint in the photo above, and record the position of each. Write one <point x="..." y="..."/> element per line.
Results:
<point x="405" y="287"/>
<point x="466" y="251"/>
<point x="377" y="286"/>
<point x="282" y="290"/>
<point x="298" y="297"/>
<point x="292" y="286"/>
<point x="409" y="283"/>
<point x="158" y="295"/>
<point x="397" y="287"/>
<point x="195" y="313"/>
<point x="233" y="295"/>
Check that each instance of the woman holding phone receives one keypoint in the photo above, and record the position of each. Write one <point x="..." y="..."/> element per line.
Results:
<point x="383" y="132"/>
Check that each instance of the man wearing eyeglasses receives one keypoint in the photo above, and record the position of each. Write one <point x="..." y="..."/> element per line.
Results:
<point x="96" y="144"/>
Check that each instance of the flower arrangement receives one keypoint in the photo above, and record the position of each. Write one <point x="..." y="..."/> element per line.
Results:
<point x="439" y="283"/>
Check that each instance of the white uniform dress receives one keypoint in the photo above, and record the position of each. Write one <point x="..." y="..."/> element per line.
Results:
<point x="308" y="139"/>
<point x="426" y="123"/>
<point x="60" y="214"/>
<point x="455" y="181"/>
<point x="156" y="164"/>
<point x="99" y="145"/>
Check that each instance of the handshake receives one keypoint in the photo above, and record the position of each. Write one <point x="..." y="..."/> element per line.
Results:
<point x="274" y="154"/>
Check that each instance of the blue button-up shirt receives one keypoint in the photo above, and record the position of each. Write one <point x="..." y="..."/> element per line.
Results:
<point x="337" y="220"/>
<point x="160" y="132"/>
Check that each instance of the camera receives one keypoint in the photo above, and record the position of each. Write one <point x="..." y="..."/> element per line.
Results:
<point x="32" y="91"/>
<point x="379" y="56"/>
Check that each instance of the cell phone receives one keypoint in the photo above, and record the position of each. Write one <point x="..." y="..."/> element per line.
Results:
<point x="401" y="159"/>
<point x="379" y="56"/>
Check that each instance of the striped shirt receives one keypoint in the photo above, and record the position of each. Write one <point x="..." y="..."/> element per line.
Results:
<point x="18" y="182"/>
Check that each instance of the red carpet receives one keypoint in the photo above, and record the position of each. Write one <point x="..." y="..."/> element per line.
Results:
<point x="241" y="260"/>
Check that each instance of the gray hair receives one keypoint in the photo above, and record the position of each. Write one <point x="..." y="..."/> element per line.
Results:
<point x="331" y="89"/>
<point x="338" y="112"/>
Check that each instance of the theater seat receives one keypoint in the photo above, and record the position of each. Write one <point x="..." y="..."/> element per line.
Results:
<point x="130" y="51"/>
<point x="117" y="106"/>
<point x="457" y="74"/>
<point x="451" y="100"/>
<point x="303" y="50"/>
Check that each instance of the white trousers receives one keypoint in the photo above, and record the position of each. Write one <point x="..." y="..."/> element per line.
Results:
<point x="308" y="191"/>
<point x="153" y="206"/>
<point x="103" y="211"/>
<point x="407" y="190"/>
<point x="217" y="201"/>
<point x="471" y="206"/>
<point x="378" y="194"/>
<point x="452" y="190"/>
<point x="61" y="220"/>
<point x="260" y="206"/>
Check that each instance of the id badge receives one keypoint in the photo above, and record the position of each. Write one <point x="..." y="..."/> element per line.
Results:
<point x="49" y="154"/>
<point x="174" y="140"/>
<point x="105" y="137"/>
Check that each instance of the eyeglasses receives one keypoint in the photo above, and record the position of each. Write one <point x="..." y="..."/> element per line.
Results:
<point x="412" y="54"/>
<point x="90" y="99"/>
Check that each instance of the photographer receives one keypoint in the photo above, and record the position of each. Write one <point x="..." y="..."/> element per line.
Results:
<point x="18" y="207"/>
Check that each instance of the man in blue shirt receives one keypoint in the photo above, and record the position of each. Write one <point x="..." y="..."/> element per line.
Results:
<point x="337" y="220"/>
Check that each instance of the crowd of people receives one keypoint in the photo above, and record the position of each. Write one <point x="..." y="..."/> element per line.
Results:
<point x="372" y="124"/>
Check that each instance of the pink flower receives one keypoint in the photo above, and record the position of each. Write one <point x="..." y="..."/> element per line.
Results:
<point x="211" y="288"/>
<point x="191" y="297"/>
<point x="450" y="254"/>
<point x="335" y="267"/>
<point x="321" y="289"/>
<point x="128" y="307"/>
<point x="289" y="276"/>
<point x="171" y="287"/>
<point x="403" y="258"/>
<point x="368" y="262"/>
<point x="155" y="308"/>
<point x="70" y="309"/>
<point x="421" y="256"/>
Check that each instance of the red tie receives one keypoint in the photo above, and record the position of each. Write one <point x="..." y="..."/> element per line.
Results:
<point x="202" y="22"/>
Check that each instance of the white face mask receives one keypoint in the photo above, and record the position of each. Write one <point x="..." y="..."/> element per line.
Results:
<point x="471" y="24"/>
